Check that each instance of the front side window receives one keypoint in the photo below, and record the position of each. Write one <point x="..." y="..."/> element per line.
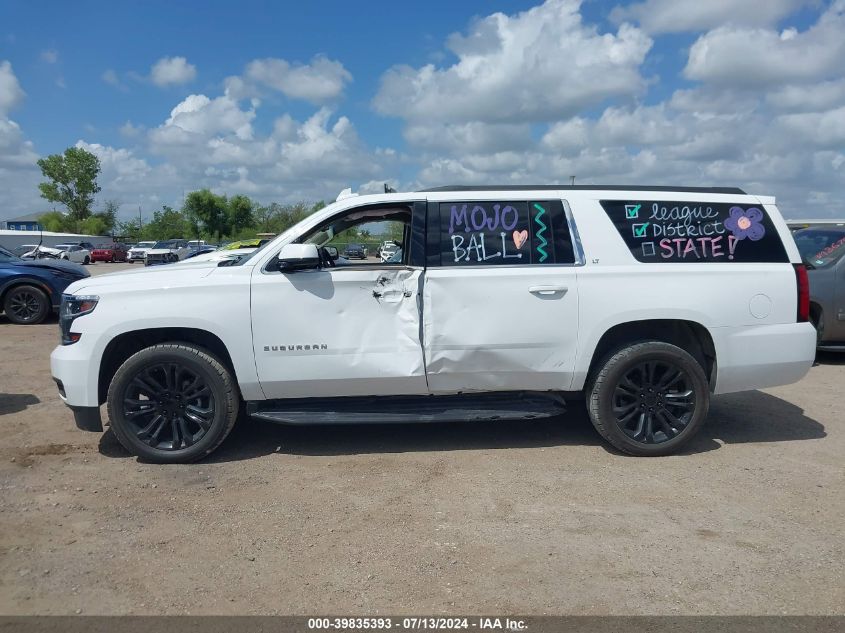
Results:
<point x="355" y="238"/>
<point x="503" y="233"/>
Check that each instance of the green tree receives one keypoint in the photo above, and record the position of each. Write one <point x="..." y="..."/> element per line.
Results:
<point x="53" y="221"/>
<point x="208" y="211"/>
<point x="109" y="214"/>
<point x="130" y="229"/>
<point x="72" y="180"/>
<point x="93" y="225"/>
<point x="166" y="224"/>
<point x="265" y="217"/>
<point x="239" y="214"/>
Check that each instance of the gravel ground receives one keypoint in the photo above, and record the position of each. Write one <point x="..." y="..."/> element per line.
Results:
<point x="531" y="518"/>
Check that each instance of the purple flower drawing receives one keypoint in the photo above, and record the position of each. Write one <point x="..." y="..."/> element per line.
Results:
<point x="746" y="223"/>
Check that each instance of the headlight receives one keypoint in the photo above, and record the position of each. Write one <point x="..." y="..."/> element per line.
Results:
<point x="74" y="306"/>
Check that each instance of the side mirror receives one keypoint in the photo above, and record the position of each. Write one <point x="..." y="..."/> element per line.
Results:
<point x="294" y="257"/>
<point x="332" y="251"/>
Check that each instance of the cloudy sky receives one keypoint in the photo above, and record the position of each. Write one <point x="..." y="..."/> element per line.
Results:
<point x="297" y="102"/>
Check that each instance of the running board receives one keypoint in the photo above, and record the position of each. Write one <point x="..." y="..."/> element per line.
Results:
<point x="405" y="409"/>
<point x="832" y="347"/>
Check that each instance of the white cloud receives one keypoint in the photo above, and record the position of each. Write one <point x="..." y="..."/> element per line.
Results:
<point x="823" y="129"/>
<point x="674" y="16"/>
<point x="15" y="151"/>
<point x="318" y="81"/>
<point x="18" y="172"/>
<point x="539" y="65"/>
<point x="129" y="130"/>
<point x="50" y="56"/>
<point x="801" y="98"/>
<point x="11" y="94"/>
<point x="752" y="58"/>
<point x="199" y="116"/>
<point x="111" y="77"/>
<point x="471" y="137"/>
<point x="172" y="71"/>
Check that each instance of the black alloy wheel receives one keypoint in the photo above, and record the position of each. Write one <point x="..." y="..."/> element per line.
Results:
<point x="26" y="305"/>
<point x="168" y="406"/>
<point x="653" y="402"/>
<point x="172" y="403"/>
<point x="649" y="398"/>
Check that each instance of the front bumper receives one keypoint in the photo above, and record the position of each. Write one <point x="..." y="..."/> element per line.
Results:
<point x="75" y="375"/>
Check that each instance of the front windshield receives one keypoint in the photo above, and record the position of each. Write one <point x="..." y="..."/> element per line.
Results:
<point x="163" y="245"/>
<point x="62" y="247"/>
<point x="6" y="256"/>
<point x="146" y="244"/>
<point x="820" y="247"/>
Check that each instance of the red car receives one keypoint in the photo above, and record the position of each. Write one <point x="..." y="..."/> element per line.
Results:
<point x="109" y="253"/>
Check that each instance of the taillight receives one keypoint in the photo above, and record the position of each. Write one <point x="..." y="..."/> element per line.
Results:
<point x="803" y="293"/>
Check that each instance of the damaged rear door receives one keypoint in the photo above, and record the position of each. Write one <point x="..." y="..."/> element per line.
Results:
<point x="500" y="306"/>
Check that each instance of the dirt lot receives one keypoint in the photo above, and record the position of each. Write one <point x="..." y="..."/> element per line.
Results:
<point x="527" y="518"/>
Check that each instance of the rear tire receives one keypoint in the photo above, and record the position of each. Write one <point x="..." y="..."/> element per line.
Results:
<point x="26" y="305"/>
<point x="649" y="398"/>
<point x="172" y="403"/>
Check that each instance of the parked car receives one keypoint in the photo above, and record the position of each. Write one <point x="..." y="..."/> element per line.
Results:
<point x="83" y="244"/>
<point x="31" y="289"/>
<point x="74" y="253"/>
<point x="167" y="252"/>
<point x="645" y="302"/>
<point x="199" y="250"/>
<point x="139" y="251"/>
<point x="38" y="251"/>
<point x="823" y="251"/>
<point x="253" y="243"/>
<point x="388" y="250"/>
<point x="217" y="256"/>
<point x="114" y="252"/>
<point x="355" y="251"/>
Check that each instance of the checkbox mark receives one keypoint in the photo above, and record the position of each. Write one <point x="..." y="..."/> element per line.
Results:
<point x="640" y="229"/>
<point x="632" y="211"/>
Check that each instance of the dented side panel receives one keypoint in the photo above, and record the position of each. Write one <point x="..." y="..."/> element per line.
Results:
<point x="500" y="328"/>
<point x="341" y="332"/>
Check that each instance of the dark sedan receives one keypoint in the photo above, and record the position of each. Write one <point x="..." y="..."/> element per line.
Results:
<point x="31" y="289"/>
<point x="823" y="251"/>
<point x="355" y="251"/>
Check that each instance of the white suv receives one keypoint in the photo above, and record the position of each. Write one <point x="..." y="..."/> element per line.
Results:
<point x="503" y="303"/>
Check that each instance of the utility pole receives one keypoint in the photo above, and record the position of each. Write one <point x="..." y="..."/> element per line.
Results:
<point x="572" y="180"/>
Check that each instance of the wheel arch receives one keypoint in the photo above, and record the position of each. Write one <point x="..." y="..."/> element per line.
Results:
<point x="690" y="336"/>
<point x="126" y="344"/>
<point x="25" y="281"/>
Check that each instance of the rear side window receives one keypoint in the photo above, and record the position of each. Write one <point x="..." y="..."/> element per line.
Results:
<point x="503" y="233"/>
<point x="696" y="231"/>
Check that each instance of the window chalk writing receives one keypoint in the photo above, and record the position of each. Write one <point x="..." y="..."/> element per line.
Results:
<point x="480" y="219"/>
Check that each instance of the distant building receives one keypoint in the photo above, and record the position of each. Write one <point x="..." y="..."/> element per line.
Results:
<point x="23" y="223"/>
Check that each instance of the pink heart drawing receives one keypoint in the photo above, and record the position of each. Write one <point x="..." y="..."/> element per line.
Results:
<point x="519" y="238"/>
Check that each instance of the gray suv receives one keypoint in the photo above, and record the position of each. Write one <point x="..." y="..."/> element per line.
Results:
<point x="823" y="251"/>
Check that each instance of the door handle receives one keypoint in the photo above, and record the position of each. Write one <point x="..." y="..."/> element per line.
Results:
<point x="547" y="290"/>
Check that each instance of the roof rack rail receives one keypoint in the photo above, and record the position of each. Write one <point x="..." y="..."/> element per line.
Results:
<point x="662" y="188"/>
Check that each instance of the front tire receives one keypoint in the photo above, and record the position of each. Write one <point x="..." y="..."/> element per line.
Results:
<point x="86" y="261"/>
<point x="649" y="398"/>
<point x="172" y="403"/>
<point x="26" y="305"/>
